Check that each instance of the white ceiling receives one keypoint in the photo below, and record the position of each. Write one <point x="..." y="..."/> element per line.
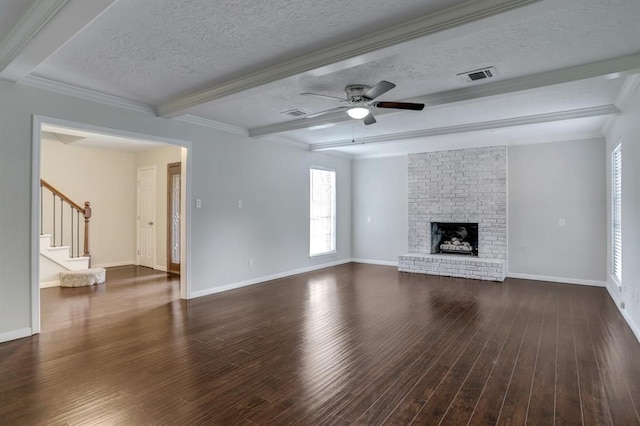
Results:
<point x="562" y="64"/>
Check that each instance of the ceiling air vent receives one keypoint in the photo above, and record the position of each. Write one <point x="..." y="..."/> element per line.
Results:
<point x="479" y="74"/>
<point x="294" y="113"/>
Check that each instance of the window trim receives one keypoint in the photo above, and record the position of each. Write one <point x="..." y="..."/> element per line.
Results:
<point x="334" y="211"/>
<point x="616" y="213"/>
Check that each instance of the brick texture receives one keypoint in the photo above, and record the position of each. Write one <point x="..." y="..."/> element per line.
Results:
<point x="468" y="185"/>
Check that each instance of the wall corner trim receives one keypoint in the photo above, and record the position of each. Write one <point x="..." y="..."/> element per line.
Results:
<point x="259" y="280"/>
<point x="15" y="334"/>
<point x="561" y="280"/>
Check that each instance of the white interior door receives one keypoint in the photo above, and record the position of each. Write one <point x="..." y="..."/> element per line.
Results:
<point x="147" y="216"/>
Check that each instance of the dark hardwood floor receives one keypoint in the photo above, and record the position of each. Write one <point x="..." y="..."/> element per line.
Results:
<point x="351" y="344"/>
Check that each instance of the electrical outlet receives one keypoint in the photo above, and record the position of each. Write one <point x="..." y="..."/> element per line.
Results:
<point x="561" y="222"/>
<point x="368" y="219"/>
<point x="250" y="263"/>
<point x="198" y="203"/>
<point x="239" y="204"/>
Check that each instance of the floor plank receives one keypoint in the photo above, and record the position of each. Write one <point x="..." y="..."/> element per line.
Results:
<point x="350" y="344"/>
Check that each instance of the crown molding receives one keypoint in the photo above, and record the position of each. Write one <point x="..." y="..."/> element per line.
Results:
<point x="212" y="124"/>
<point x="286" y="141"/>
<point x="302" y="123"/>
<point x="303" y="146"/>
<point x="464" y="13"/>
<point x="629" y="88"/>
<point x="473" y="127"/>
<point x="27" y="28"/>
<point x="86" y="94"/>
<point x="46" y="27"/>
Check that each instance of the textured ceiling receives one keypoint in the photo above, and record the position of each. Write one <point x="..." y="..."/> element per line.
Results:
<point x="581" y="32"/>
<point x="152" y="50"/>
<point x="165" y="52"/>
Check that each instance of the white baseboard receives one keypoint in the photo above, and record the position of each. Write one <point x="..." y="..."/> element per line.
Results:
<point x="160" y="268"/>
<point x="48" y="284"/>
<point x="114" y="264"/>
<point x="15" y="334"/>
<point x="375" y="262"/>
<point x="213" y="290"/>
<point x="561" y="280"/>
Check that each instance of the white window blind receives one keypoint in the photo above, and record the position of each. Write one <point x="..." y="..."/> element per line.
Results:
<point x="616" y="204"/>
<point x="322" y="223"/>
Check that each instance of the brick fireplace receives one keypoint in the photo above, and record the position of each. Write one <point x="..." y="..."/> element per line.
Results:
<point x="458" y="186"/>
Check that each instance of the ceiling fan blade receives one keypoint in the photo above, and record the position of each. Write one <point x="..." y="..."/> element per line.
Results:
<point x="377" y="90"/>
<point x="399" y="105"/>
<point x="320" y="95"/>
<point x="327" y="111"/>
<point x="369" y="119"/>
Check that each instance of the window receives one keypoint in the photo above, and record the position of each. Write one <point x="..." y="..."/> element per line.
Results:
<point x="616" y="206"/>
<point x="322" y="212"/>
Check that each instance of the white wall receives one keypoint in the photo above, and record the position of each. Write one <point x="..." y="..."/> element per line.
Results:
<point x="106" y="178"/>
<point x="549" y="182"/>
<point x="160" y="158"/>
<point x="380" y="193"/>
<point x="626" y="129"/>
<point x="271" y="179"/>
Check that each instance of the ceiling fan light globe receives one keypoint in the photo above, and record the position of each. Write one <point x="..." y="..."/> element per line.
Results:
<point x="357" y="112"/>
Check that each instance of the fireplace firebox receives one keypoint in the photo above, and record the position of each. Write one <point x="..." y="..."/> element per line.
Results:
<point x="454" y="238"/>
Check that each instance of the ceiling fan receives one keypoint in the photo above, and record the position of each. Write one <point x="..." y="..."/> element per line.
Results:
<point x="359" y="101"/>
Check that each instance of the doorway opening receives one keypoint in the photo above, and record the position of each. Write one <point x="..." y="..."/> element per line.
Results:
<point x="146" y="217"/>
<point x="174" y="191"/>
<point x="116" y="171"/>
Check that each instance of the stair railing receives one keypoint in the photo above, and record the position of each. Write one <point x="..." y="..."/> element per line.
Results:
<point x="53" y="203"/>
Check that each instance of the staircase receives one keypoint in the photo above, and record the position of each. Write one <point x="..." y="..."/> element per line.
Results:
<point x="54" y="260"/>
<point x="61" y="235"/>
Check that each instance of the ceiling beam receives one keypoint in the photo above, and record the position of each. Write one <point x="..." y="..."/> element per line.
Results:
<point x="599" y="111"/>
<point x="464" y="13"/>
<point x="621" y="66"/>
<point x="46" y="26"/>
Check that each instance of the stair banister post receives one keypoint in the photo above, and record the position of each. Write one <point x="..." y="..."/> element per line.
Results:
<point x="87" y="216"/>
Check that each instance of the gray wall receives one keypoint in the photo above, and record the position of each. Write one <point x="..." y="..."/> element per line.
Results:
<point x="549" y="183"/>
<point x="626" y="130"/>
<point x="272" y="181"/>
<point x="380" y="193"/>
<point x="546" y="182"/>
